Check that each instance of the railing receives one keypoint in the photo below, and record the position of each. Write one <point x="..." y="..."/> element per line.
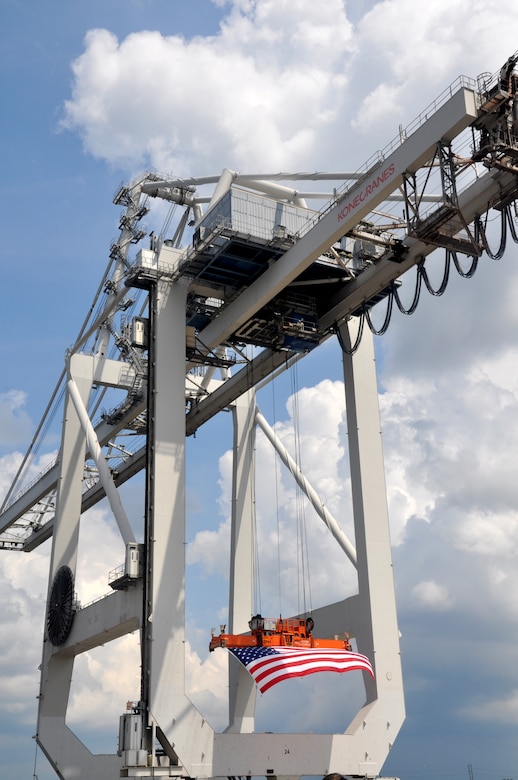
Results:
<point x="117" y="573"/>
<point x="78" y="606"/>
<point x="31" y="484"/>
<point x="462" y="82"/>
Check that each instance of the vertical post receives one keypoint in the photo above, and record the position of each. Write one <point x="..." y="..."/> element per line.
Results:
<point x="177" y="721"/>
<point x="72" y="457"/>
<point x="377" y="630"/>
<point x="242" y="690"/>
<point x="167" y="538"/>
<point x="57" y="741"/>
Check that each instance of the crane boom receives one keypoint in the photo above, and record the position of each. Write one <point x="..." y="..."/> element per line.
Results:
<point x="263" y="280"/>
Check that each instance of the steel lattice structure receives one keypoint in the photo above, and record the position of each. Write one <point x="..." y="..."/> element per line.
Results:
<point x="165" y="346"/>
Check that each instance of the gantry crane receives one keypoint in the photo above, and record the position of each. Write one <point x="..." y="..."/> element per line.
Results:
<point x="264" y="270"/>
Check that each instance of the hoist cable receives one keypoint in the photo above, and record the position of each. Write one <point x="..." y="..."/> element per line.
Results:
<point x="276" y="467"/>
<point x="169" y="217"/>
<point x="303" y="573"/>
<point x="299" y="557"/>
<point x="255" y="562"/>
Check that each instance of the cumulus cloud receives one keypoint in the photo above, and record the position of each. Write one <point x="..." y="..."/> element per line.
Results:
<point x="432" y="595"/>
<point x="23" y="581"/>
<point x="279" y="85"/>
<point x="104" y="680"/>
<point x="415" y="51"/>
<point x="15" y="424"/>
<point x="240" y="97"/>
<point x="9" y="465"/>
<point x="503" y="710"/>
<point x="206" y="683"/>
<point x="99" y="532"/>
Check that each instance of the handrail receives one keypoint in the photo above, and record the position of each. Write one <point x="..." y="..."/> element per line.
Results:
<point x="461" y="82"/>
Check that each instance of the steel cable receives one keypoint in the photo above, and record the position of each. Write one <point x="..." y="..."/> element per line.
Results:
<point x="386" y="321"/>
<point x="417" y="293"/>
<point x="422" y="275"/>
<point x="512" y="226"/>
<point x="471" y="270"/>
<point x="446" y="276"/>
<point x="358" y="339"/>
<point x="503" y="236"/>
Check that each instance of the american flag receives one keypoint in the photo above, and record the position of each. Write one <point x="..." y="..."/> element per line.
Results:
<point x="271" y="665"/>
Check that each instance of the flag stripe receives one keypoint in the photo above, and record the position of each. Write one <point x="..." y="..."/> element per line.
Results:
<point x="274" y="671"/>
<point x="269" y="665"/>
<point x="283" y="674"/>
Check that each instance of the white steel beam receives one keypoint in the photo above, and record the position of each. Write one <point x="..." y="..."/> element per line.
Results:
<point x="115" y="615"/>
<point x="242" y="689"/>
<point x="177" y="721"/>
<point x="322" y="511"/>
<point x="66" y="753"/>
<point x="114" y="373"/>
<point x="377" y="635"/>
<point x="104" y="472"/>
<point x="68" y="756"/>
<point x="455" y="115"/>
<point x="476" y="199"/>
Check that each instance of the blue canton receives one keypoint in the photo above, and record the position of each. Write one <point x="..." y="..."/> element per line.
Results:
<point x="248" y="654"/>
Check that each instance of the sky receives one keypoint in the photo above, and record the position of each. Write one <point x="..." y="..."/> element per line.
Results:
<point x="94" y="93"/>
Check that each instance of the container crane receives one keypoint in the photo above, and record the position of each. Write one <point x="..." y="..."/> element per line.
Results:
<point x="263" y="269"/>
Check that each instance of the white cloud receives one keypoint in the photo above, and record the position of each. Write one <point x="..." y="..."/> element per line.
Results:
<point x="210" y="549"/>
<point x="238" y="99"/>
<point x="502" y="710"/>
<point x="207" y="685"/>
<point x="9" y="465"/>
<point x="409" y="53"/>
<point x="280" y="86"/>
<point x="23" y="583"/>
<point x="490" y="534"/>
<point x="104" y="680"/>
<point x="432" y="595"/>
<point x="15" y="424"/>
<point x="99" y="532"/>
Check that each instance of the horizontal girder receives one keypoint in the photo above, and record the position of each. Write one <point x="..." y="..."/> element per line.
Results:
<point x="224" y="322"/>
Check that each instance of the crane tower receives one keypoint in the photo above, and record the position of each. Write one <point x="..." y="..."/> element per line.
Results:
<point x="252" y="277"/>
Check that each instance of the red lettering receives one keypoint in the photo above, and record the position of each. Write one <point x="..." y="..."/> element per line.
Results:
<point x="366" y="192"/>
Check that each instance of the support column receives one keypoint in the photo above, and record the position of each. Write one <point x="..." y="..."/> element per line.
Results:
<point x="377" y="632"/>
<point x="67" y="755"/>
<point x="181" y="730"/>
<point x="242" y="689"/>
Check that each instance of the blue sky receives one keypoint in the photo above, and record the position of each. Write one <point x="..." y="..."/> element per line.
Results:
<point x="65" y="194"/>
<point x="89" y="100"/>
